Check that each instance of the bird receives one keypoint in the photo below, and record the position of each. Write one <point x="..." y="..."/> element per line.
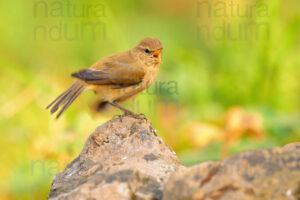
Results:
<point x="115" y="78"/>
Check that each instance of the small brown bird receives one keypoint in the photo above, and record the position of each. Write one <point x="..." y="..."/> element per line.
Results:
<point x="115" y="78"/>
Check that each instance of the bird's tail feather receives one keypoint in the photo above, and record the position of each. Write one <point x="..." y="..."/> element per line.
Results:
<point x="66" y="98"/>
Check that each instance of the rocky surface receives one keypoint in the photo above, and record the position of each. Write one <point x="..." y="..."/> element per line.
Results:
<point x="124" y="159"/>
<point x="251" y="175"/>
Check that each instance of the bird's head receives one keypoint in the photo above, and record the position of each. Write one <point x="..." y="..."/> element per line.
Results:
<point x="149" y="50"/>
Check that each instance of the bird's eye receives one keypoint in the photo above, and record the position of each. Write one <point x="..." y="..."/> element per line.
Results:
<point x="147" y="50"/>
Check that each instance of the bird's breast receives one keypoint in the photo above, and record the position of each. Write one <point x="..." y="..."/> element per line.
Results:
<point x="150" y="76"/>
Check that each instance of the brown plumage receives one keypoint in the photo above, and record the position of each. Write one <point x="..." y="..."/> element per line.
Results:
<point x="115" y="78"/>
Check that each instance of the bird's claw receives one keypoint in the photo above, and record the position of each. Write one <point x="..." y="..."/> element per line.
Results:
<point x="141" y="116"/>
<point x="119" y="117"/>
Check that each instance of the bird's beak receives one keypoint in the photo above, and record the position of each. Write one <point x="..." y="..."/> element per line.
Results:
<point x="157" y="55"/>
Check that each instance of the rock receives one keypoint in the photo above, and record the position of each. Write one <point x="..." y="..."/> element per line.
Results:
<point x="260" y="174"/>
<point x="122" y="159"/>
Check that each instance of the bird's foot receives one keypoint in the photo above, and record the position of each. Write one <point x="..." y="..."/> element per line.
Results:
<point x="119" y="117"/>
<point x="136" y="116"/>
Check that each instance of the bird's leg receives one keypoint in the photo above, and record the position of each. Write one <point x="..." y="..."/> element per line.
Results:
<point x="128" y="112"/>
<point x="121" y="108"/>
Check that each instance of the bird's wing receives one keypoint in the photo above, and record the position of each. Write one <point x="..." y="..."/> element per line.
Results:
<point x="114" y="73"/>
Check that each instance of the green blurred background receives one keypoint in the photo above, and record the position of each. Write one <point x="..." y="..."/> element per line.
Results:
<point x="229" y="81"/>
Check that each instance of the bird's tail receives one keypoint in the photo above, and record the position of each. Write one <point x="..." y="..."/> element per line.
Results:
<point x="66" y="98"/>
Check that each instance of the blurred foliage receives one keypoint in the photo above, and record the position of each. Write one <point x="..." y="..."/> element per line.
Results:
<point x="228" y="82"/>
